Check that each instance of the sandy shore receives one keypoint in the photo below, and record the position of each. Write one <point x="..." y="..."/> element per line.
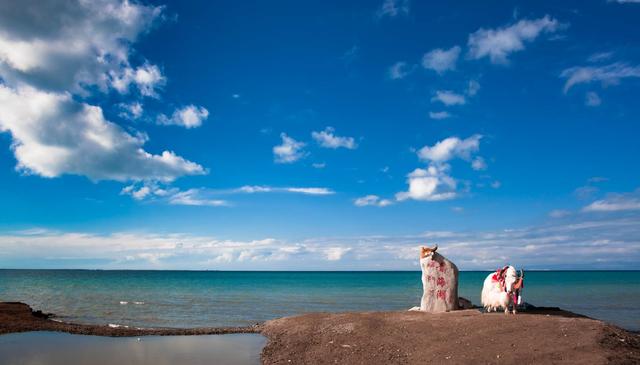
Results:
<point x="543" y="336"/>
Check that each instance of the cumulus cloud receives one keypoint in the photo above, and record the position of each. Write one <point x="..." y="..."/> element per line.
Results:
<point x="54" y="135"/>
<point x="132" y="110"/>
<point x="399" y="70"/>
<point x="289" y="151"/>
<point x="147" y="78"/>
<point x="607" y="75"/>
<point x="430" y="184"/>
<point x="439" y="115"/>
<point x="448" y="98"/>
<point x="498" y="44"/>
<point x="372" y="200"/>
<point x="328" y="139"/>
<point x="70" y="45"/>
<point x="616" y="202"/>
<point x="393" y="8"/>
<point x="190" y="116"/>
<point x="449" y="148"/>
<point x="54" y="55"/>
<point x="441" y="60"/>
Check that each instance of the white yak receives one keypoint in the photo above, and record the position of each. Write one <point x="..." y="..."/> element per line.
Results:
<point x="501" y="289"/>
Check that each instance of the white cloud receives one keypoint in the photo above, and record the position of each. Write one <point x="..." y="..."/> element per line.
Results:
<point x="56" y="54"/>
<point x="153" y="191"/>
<point x="478" y="164"/>
<point x="473" y="87"/>
<point x="441" y="60"/>
<point x="601" y="56"/>
<point x="450" y="148"/>
<point x="449" y="98"/>
<point x="173" y="196"/>
<point x="54" y="135"/>
<point x="289" y="151"/>
<point x="133" y="110"/>
<point x="250" y="189"/>
<point x="607" y="75"/>
<point x="439" y="115"/>
<point x="71" y="45"/>
<point x="399" y="70"/>
<point x="319" y="165"/>
<point x="328" y="139"/>
<point x="137" y="194"/>
<point x="430" y="184"/>
<point x="496" y="184"/>
<point x="310" y="191"/>
<point x="616" y="203"/>
<point x="393" y="8"/>
<point x="559" y="213"/>
<point x="586" y="242"/>
<point x="147" y="78"/>
<point x="498" y="44"/>
<point x="336" y="253"/>
<point x="434" y="183"/>
<point x="194" y="197"/>
<point x="625" y="1"/>
<point x="592" y="99"/>
<point x="190" y="116"/>
<point x="373" y="200"/>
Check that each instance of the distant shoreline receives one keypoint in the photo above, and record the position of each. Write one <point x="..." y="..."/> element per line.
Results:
<point x="542" y="335"/>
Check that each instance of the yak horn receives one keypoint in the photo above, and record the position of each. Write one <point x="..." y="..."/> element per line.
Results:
<point x="435" y="248"/>
<point x="521" y="274"/>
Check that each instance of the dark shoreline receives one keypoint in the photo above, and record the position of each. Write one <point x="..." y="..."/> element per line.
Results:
<point x="19" y="317"/>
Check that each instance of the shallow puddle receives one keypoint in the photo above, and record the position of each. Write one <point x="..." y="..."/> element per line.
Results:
<point x="52" y="348"/>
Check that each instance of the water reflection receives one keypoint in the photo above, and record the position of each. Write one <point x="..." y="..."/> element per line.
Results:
<point x="50" y="348"/>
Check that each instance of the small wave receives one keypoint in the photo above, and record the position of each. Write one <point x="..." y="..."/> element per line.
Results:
<point x="117" y="325"/>
<point x="138" y="303"/>
<point x="124" y="302"/>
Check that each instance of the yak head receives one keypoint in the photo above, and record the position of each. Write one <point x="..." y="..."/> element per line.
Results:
<point x="427" y="252"/>
<point x="512" y="281"/>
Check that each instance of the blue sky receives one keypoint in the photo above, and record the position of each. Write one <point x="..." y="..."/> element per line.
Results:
<point x="316" y="135"/>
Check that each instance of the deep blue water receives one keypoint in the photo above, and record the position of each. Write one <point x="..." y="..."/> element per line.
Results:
<point x="217" y="298"/>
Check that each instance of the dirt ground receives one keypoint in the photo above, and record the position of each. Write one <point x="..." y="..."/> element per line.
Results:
<point x="541" y="336"/>
<point x="460" y="337"/>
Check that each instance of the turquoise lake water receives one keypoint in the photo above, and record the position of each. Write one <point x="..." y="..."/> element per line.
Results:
<point x="217" y="298"/>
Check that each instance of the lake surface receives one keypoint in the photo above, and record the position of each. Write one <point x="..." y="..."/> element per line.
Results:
<point x="64" y="349"/>
<point x="218" y="298"/>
